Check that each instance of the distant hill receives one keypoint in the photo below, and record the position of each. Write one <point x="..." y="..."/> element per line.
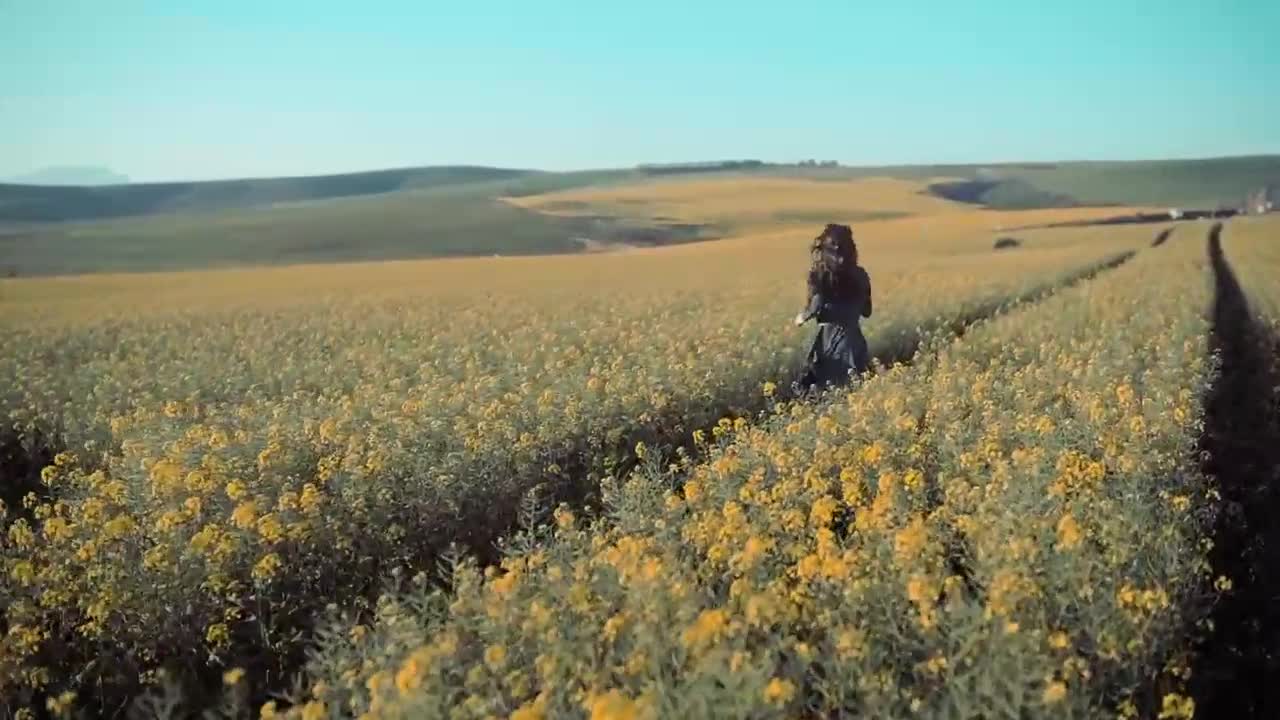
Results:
<point x="31" y="203"/>
<point x="462" y="213"/>
<point x="71" y="175"/>
<point x="459" y="210"/>
<point x="1201" y="184"/>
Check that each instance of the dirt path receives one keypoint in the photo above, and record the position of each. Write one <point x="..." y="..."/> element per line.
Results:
<point x="1238" y="663"/>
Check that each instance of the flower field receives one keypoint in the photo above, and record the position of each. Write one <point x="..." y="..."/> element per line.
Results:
<point x="1009" y="521"/>
<point x="1009" y="525"/>
<point x="1252" y="248"/>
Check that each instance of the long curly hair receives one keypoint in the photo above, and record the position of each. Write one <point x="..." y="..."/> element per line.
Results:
<point x="834" y="263"/>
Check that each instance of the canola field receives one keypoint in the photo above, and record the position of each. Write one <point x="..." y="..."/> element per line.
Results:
<point x="243" y="484"/>
<point x="1007" y="526"/>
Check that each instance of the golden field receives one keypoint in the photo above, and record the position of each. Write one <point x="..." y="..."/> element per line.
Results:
<point x="761" y="204"/>
<point x="242" y="448"/>
<point x="1006" y="527"/>
<point x="1251" y="246"/>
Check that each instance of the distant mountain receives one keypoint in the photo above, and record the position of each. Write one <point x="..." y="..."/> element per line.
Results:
<point x="71" y="175"/>
<point x="29" y="202"/>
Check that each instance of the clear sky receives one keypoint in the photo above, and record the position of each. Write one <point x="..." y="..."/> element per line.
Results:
<point x="203" y="89"/>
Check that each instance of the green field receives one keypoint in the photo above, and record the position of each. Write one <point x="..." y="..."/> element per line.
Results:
<point x="457" y="211"/>
<point x="401" y="225"/>
<point x="464" y="218"/>
<point x="1199" y="184"/>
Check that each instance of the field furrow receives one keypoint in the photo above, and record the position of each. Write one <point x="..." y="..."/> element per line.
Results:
<point x="244" y="451"/>
<point x="1009" y="527"/>
<point x="1240" y="655"/>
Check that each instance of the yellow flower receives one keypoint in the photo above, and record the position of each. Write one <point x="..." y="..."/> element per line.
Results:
<point x="236" y="490"/>
<point x="851" y="643"/>
<point x="1177" y="707"/>
<point x="913" y="479"/>
<point x="118" y="527"/>
<point x="310" y="499"/>
<point x="1055" y="692"/>
<point x="287" y="502"/>
<point x="233" y="676"/>
<point x="268" y="711"/>
<point x="495" y="656"/>
<point x="752" y="550"/>
<point x="910" y="541"/>
<point x="564" y="517"/>
<point x="217" y="634"/>
<point x="49" y="475"/>
<point x="267" y="567"/>
<point x="769" y="389"/>
<point x="1068" y="532"/>
<point x="245" y="515"/>
<point x="409" y="678"/>
<point x="532" y="710"/>
<point x="779" y="691"/>
<point x="21" y="536"/>
<point x="1059" y="640"/>
<point x="612" y="705"/>
<point x="23" y="573"/>
<point x="823" y="511"/>
<point x="270" y="528"/>
<point x="205" y="539"/>
<point x="872" y="453"/>
<point x="706" y="628"/>
<point x="314" y="710"/>
<point x="61" y="704"/>
<point x="156" y="558"/>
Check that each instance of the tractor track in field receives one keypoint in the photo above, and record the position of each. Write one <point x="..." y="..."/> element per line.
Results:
<point x="21" y="460"/>
<point x="1162" y="237"/>
<point x="1238" y="660"/>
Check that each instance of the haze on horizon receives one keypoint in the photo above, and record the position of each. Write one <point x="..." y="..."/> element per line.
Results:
<point x="233" y="89"/>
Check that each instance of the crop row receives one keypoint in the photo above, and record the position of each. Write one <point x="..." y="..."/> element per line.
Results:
<point x="1011" y="527"/>
<point x="233" y="465"/>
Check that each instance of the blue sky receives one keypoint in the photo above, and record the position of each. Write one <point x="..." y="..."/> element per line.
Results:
<point x="195" y="90"/>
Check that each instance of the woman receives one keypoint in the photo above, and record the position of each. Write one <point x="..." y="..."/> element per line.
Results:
<point x="839" y="296"/>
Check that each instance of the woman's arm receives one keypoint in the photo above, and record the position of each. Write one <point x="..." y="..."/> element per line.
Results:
<point x="866" y="285"/>
<point x="812" y="309"/>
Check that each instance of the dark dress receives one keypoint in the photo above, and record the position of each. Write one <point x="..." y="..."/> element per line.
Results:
<point x="839" y="348"/>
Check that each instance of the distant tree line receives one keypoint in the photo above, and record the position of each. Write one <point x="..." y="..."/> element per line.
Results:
<point x="721" y="165"/>
<point x="695" y="167"/>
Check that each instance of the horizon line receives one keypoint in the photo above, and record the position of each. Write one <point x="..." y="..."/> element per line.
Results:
<point x="622" y="168"/>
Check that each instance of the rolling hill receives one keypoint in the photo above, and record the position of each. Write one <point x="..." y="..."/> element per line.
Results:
<point x="70" y="175"/>
<point x="470" y="210"/>
<point x="1205" y="183"/>
<point x="27" y="203"/>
